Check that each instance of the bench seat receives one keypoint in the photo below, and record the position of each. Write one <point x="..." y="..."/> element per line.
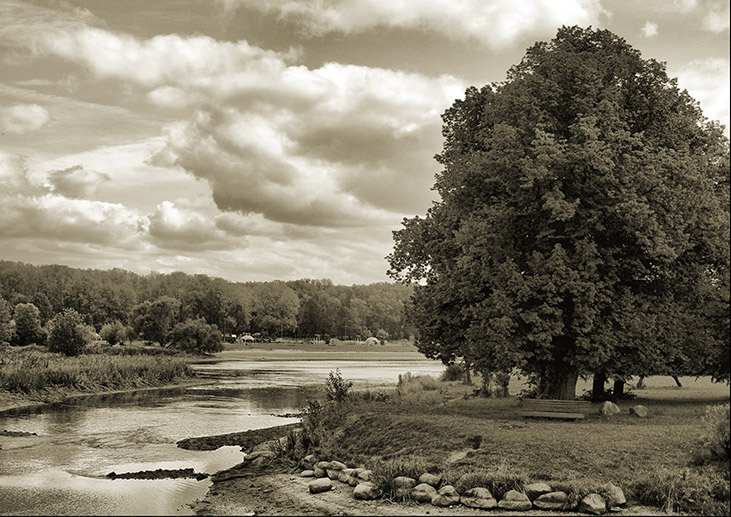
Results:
<point x="564" y="409"/>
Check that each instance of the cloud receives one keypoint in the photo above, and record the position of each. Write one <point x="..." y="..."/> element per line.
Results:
<point x="707" y="81"/>
<point x="76" y="182"/>
<point x="715" y="14"/>
<point x="495" y="23"/>
<point x="23" y="118"/>
<point x="649" y="29"/>
<point x="180" y="228"/>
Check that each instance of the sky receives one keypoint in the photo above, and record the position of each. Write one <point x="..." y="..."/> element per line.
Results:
<point x="256" y="140"/>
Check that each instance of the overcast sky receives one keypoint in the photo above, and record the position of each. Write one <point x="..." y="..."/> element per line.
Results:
<point x="268" y="139"/>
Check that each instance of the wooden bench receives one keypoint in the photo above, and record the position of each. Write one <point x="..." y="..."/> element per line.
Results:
<point x="566" y="409"/>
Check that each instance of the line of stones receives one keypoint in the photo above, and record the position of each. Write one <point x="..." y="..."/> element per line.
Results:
<point x="429" y="489"/>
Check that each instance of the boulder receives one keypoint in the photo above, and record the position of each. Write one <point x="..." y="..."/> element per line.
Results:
<point x="593" y="503"/>
<point x="319" y="472"/>
<point x="356" y="472"/>
<point x="365" y="475"/>
<point x="423" y="493"/>
<point x="337" y="465"/>
<point x="447" y="496"/>
<point x="609" y="409"/>
<point x="366" y="491"/>
<point x="307" y="473"/>
<point x="478" y="498"/>
<point x="639" y="411"/>
<point x="322" y="464"/>
<point x="319" y="485"/>
<point x="309" y="461"/>
<point x="535" y="490"/>
<point x="514" y="500"/>
<point x="552" y="501"/>
<point x="333" y="474"/>
<point x="404" y="482"/>
<point x="617" y="495"/>
<point x="345" y="475"/>
<point x="431" y="479"/>
<point x="354" y="481"/>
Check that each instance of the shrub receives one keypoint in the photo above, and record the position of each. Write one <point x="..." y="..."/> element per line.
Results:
<point x="453" y="372"/>
<point x="408" y="383"/>
<point x="196" y="336"/>
<point x="114" y="332"/>
<point x="7" y="327"/>
<point x="696" y="492"/>
<point x="336" y="388"/>
<point x="67" y="333"/>
<point x="717" y="431"/>
<point x="27" y="325"/>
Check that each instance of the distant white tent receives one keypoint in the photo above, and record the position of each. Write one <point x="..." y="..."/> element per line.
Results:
<point x="372" y="341"/>
<point x="247" y="337"/>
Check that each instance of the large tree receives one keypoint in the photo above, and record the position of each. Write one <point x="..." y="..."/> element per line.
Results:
<point x="583" y="223"/>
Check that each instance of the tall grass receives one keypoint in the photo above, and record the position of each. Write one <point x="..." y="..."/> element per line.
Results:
<point x="696" y="492"/>
<point x="498" y="481"/>
<point x="384" y="472"/>
<point x="29" y="371"/>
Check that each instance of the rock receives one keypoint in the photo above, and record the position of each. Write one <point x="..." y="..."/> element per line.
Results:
<point x="617" y="495"/>
<point x="478" y="498"/>
<point x="322" y="464"/>
<point x="319" y="485"/>
<point x="307" y="474"/>
<point x="423" y="493"/>
<point x="336" y="465"/>
<point x="366" y="491"/>
<point x="365" y="475"/>
<point x="353" y="481"/>
<point x="262" y="453"/>
<point x="404" y="482"/>
<point x="593" y="503"/>
<point x="309" y="461"/>
<point x="639" y="411"/>
<point x="333" y="474"/>
<point x="514" y="500"/>
<point x="319" y="472"/>
<point x="552" y="501"/>
<point x="431" y="479"/>
<point x="447" y="496"/>
<point x="535" y="490"/>
<point x="345" y="475"/>
<point x="609" y="409"/>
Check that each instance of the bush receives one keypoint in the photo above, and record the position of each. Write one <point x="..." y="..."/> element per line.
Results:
<point x="695" y="492"/>
<point x="336" y="388"/>
<point x="453" y="372"/>
<point x="27" y="325"/>
<point x="408" y="383"/>
<point x="67" y="333"/>
<point x="114" y="332"/>
<point x="717" y="431"/>
<point x="196" y="336"/>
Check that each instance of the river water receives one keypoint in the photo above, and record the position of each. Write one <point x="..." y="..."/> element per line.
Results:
<point x="62" y="469"/>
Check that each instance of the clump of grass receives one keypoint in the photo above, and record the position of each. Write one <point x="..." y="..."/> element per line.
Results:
<point x="696" y="492"/>
<point x="408" y="383"/>
<point x="717" y="431"/>
<point x="384" y="472"/>
<point x="29" y="371"/>
<point x="498" y="481"/>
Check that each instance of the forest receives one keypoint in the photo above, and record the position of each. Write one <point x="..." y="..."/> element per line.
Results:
<point x="150" y="306"/>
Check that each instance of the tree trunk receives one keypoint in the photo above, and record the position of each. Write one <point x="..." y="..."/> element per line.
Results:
<point x="677" y="381"/>
<point x="618" y="390"/>
<point x="503" y="380"/>
<point x="559" y="383"/>
<point x="486" y="390"/>
<point x="597" y="387"/>
<point x="467" y="376"/>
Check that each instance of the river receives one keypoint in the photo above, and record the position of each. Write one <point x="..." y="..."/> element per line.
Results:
<point x="61" y="470"/>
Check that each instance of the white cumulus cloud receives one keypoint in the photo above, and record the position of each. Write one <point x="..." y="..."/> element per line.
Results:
<point x="23" y="118"/>
<point x="707" y="81"/>
<point x="649" y="29"/>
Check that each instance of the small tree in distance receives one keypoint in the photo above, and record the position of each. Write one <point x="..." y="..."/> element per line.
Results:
<point x="196" y="336"/>
<point x="27" y="325"/>
<point x="114" y="332"/>
<point x="66" y="333"/>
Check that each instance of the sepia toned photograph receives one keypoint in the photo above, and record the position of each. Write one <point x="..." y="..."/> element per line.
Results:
<point x="365" y="257"/>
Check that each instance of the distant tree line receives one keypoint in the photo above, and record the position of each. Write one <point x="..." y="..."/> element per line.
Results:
<point x="191" y="311"/>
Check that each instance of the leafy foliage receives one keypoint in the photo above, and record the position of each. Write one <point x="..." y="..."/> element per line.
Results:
<point x="67" y="333"/>
<point x="583" y="223"/>
<point x="7" y="326"/>
<point x="336" y="388"/>
<point x="197" y="336"/>
<point x="114" y="332"/>
<point x="27" y="325"/>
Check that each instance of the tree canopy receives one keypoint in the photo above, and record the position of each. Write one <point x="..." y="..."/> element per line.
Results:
<point x="583" y="223"/>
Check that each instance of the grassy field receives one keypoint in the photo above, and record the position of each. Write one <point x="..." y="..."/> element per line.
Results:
<point x="434" y="425"/>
